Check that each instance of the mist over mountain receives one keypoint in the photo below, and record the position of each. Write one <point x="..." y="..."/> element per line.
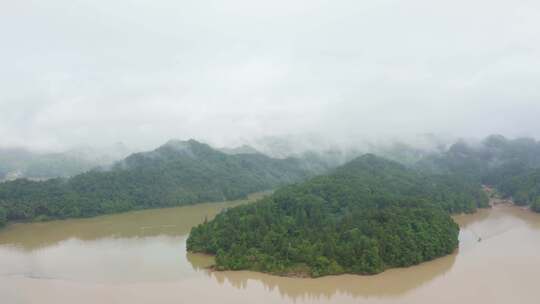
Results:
<point x="316" y="150"/>
<point x="511" y="166"/>
<point x="174" y="174"/>
<point x="243" y="149"/>
<point x="298" y="144"/>
<point x="39" y="165"/>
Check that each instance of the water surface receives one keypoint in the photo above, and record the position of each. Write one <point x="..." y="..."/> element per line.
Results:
<point x="140" y="257"/>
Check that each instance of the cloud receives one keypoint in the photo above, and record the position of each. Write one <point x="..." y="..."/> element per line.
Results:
<point x="96" y="72"/>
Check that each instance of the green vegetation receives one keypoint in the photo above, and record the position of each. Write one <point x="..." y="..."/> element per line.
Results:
<point x="176" y="173"/>
<point x="535" y="206"/>
<point x="511" y="166"/>
<point x="3" y="217"/>
<point x="517" y="182"/>
<point x="366" y="216"/>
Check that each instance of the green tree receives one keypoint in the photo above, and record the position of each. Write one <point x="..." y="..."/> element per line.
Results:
<point x="3" y="216"/>
<point x="536" y="205"/>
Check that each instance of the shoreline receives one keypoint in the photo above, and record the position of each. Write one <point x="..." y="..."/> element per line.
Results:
<point x="494" y="201"/>
<point x="304" y="275"/>
<point x="250" y="198"/>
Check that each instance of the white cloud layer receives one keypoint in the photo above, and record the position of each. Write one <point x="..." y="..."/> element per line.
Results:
<point x="95" y="72"/>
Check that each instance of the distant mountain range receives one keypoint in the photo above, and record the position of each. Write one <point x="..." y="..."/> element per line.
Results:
<point x="244" y="149"/>
<point x="188" y="172"/>
<point x="177" y="173"/>
<point x="512" y="166"/>
<point x="34" y="165"/>
<point x="23" y="163"/>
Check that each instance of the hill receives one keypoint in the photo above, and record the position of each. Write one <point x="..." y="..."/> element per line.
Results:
<point x="366" y="216"/>
<point x="244" y="149"/>
<point x="512" y="166"/>
<point x="23" y="163"/>
<point x="177" y="173"/>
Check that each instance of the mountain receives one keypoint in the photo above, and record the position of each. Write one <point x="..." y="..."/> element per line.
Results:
<point x="22" y="163"/>
<point x="17" y="163"/>
<point x="177" y="173"/>
<point x="244" y="149"/>
<point x="364" y="217"/>
<point x="512" y="166"/>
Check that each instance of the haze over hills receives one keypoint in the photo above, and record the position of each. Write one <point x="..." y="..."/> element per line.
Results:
<point x="38" y="165"/>
<point x="187" y="172"/>
<point x="16" y="162"/>
<point x="512" y="166"/>
<point x="349" y="146"/>
<point x="177" y="173"/>
<point x="336" y="152"/>
<point x="243" y="149"/>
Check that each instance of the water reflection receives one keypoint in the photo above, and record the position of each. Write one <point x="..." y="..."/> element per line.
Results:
<point x="391" y="283"/>
<point x="107" y="260"/>
<point x="494" y="222"/>
<point x="500" y="214"/>
<point x="137" y="246"/>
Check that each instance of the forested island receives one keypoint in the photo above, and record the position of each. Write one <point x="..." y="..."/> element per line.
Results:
<point x="177" y="173"/>
<point x="367" y="216"/>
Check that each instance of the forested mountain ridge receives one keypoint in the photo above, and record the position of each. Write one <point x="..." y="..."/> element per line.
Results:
<point x="364" y="217"/>
<point x="177" y="173"/>
<point x="512" y="166"/>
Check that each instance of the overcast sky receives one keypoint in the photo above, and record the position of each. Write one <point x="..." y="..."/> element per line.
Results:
<point x="143" y="71"/>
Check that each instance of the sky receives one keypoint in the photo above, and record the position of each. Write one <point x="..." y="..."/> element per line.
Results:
<point x="96" y="72"/>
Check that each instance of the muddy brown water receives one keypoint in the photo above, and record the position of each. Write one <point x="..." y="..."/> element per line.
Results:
<point x="140" y="257"/>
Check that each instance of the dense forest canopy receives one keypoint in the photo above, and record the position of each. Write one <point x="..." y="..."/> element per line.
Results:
<point x="511" y="166"/>
<point x="3" y="216"/>
<point x="177" y="173"/>
<point x="364" y="217"/>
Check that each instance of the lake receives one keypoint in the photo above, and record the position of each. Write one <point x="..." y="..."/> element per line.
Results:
<point x="140" y="257"/>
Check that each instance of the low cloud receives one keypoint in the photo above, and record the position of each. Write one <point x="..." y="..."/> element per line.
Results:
<point x="97" y="72"/>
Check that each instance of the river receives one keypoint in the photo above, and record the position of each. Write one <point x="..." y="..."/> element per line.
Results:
<point x="140" y="257"/>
